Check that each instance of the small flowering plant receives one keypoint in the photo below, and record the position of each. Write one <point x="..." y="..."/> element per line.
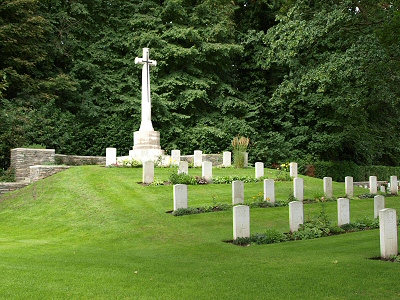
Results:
<point x="283" y="173"/>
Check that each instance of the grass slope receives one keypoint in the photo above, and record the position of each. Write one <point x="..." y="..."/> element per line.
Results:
<point x="94" y="233"/>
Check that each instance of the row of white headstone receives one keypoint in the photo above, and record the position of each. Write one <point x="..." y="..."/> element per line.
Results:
<point x="387" y="222"/>
<point x="175" y="158"/>
<point x="241" y="215"/>
<point x="296" y="212"/>
<point x="298" y="189"/>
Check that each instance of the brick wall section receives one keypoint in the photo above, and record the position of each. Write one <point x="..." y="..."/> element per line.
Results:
<point x="6" y="187"/>
<point x="23" y="158"/>
<point x="41" y="172"/>
<point x="215" y="159"/>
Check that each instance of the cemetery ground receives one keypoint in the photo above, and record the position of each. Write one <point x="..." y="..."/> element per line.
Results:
<point x="94" y="233"/>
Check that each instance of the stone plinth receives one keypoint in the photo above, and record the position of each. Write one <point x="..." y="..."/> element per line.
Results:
<point x="146" y="146"/>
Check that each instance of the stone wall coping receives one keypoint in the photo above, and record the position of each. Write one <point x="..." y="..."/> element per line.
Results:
<point x="49" y="166"/>
<point x="34" y="149"/>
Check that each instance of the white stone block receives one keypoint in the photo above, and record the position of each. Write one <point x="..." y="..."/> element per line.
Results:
<point x="180" y="196"/>
<point x="383" y="189"/>
<point x="388" y="232"/>
<point x="296" y="215"/>
<point x="373" y="184"/>
<point x="298" y="188"/>
<point x="245" y="159"/>
<point x="111" y="156"/>
<point x="237" y="192"/>
<point x="227" y="159"/>
<point x="348" y="182"/>
<point x="393" y="185"/>
<point x="148" y="171"/>
<point x="343" y="205"/>
<point x="293" y="169"/>
<point x="206" y="171"/>
<point x="259" y="167"/>
<point x="183" y="167"/>
<point x="379" y="203"/>
<point x="269" y="190"/>
<point x="241" y="221"/>
<point x="198" y="158"/>
<point x="175" y="157"/>
<point x="328" y="188"/>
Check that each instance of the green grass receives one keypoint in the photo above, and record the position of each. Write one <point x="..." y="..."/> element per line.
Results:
<point x="94" y="233"/>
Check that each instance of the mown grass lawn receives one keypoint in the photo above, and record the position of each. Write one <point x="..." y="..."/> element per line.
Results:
<point x="95" y="233"/>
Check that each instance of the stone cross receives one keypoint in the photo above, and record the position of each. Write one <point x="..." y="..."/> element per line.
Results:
<point x="146" y="124"/>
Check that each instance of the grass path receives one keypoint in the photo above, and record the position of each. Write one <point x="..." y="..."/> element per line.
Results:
<point x="94" y="233"/>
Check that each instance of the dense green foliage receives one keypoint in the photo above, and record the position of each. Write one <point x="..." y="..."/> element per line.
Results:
<point x="339" y="170"/>
<point x="302" y="79"/>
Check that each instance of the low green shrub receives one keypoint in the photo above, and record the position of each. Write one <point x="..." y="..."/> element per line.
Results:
<point x="7" y="175"/>
<point x="182" y="178"/>
<point x="203" y="209"/>
<point x="230" y="179"/>
<point x="126" y="163"/>
<point x="270" y="236"/>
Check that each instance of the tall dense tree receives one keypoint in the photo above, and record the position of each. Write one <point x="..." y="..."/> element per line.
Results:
<point x="29" y="85"/>
<point x="339" y="97"/>
<point x="320" y="80"/>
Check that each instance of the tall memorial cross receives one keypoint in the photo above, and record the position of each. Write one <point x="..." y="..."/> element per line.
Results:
<point x="146" y="124"/>
<point x="146" y="141"/>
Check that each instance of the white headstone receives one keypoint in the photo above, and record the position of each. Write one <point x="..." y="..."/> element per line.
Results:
<point x="388" y="232"/>
<point x="183" y="167"/>
<point x="237" y="192"/>
<point x="296" y="215"/>
<point x="383" y="189"/>
<point x="343" y="205"/>
<point x="328" y="189"/>
<point x="111" y="156"/>
<point x="269" y="190"/>
<point x="241" y="221"/>
<point x="148" y="171"/>
<point x="373" y="184"/>
<point x="180" y="196"/>
<point x="198" y="158"/>
<point x="206" y="171"/>
<point x="259" y="169"/>
<point x="175" y="157"/>
<point x="298" y="188"/>
<point x="227" y="159"/>
<point x="245" y="159"/>
<point x="379" y="203"/>
<point x="348" y="182"/>
<point x="393" y="185"/>
<point x="293" y="169"/>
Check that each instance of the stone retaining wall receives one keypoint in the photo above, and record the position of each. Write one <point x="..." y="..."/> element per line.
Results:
<point x="6" y="187"/>
<point x="23" y="158"/>
<point x="76" y="160"/>
<point x="41" y="172"/>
